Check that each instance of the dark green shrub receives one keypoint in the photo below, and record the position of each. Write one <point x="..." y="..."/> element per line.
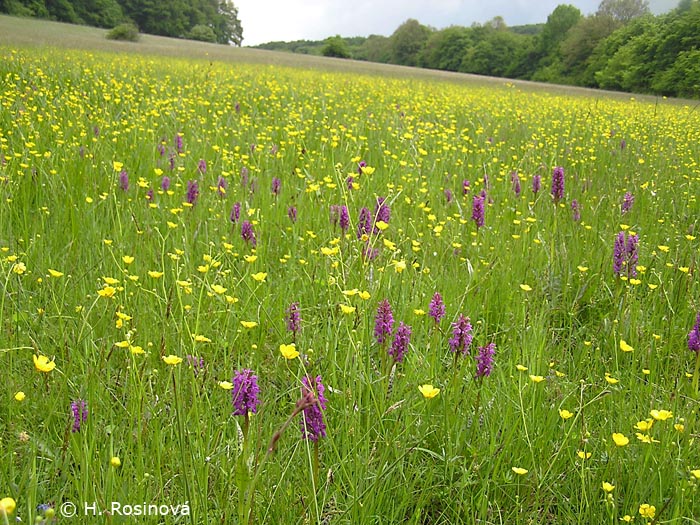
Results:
<point x="202" y="33"/>
<point x="127" y="32"/>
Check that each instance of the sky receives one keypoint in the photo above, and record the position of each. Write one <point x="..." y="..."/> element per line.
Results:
<point x="287" y="20"/>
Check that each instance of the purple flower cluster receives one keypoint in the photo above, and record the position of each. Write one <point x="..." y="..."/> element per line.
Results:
<point x="245" y="391"/>
<point x="80" y="413"/>
<point x="625" y="255"/>
<point x="197" y="363"/>
<point x="694" y="336"/>
<point x="292" y="213"/>
<point x="312" y="424"/>
<point x="627" y="202"/>
<point x="448" y="195"/>
<point x="558" y="183"/>
<point x="465" y="186"/>
<point x="536" y="184"/>
<point x="436" y="309"/>
<point x="344" y="218"/>
<point x="462" y="337"/>
<point x="517" y="188"/>
<point x="293" y="318"/>
<point x="399" y="345"/>
<point x="349" y="182"/>
<point x="382" y="212"/>
<point x="192" y="191"/>
<point x="383" y="321"/>
<point x="202" y="166"/>
<point x="364" y="223"/>
<point x="276" y="186"/>
<point x="576" y="209"/>
<point x="124" y="180"/>
<point x="235" y="212"/>
<point x="248" y="234"/>
<point x="165" y="183"/>
<point x="178" y="143"/>
<point x="221" y="187"/>
<point x="484" y="360"/>
<point x="478" y="211"/>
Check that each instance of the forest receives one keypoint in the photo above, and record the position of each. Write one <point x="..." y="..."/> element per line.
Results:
<point x="209" y="20"/>
<point x="621" y="47"/>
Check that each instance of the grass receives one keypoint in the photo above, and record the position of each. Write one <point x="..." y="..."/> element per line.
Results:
<point x="147" y="297"/>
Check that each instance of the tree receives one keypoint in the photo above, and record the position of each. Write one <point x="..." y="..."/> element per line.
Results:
<point x="335" y="47"/>
<point x="623" y="11"/>
<point x="408" y="41"/>
<point x="579" y="44"/>
<point x="444" y="49"/>
<point x="376" y="48"/>
<point x="227" y="26"/>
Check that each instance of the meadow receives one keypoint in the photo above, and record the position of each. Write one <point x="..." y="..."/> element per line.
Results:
<point x="245" y="293"/>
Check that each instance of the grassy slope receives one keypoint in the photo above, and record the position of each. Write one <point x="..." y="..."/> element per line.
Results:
<point x="42" y="33"/>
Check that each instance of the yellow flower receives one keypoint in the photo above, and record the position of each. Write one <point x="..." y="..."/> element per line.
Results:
<point x="249" y="324"/>
<point x="583" y="455"/>
<point x="419" y="311"/>
<point x="519" y="471"/>
<point x="111" y="281"/>
<point x="136" y="350"/>
<point x="226" y="385"/>
<point x="582" y="269"/>
<point x="250" y="258"/>
<point x="608" y="487"/>
<point x="201" y="339"/>
<point x="19" y="268"/>
<point x="350" y="293"/>
<point x="289" y="351"/>
<point x="695" y="473"/>
<point x="155" y="275"/>
<point x="565" y="414"/>
<point x="55" y="273"/>
<point x="399" y="266"/>
<point x="381" y="225"/>
<point x="42" y="363"/>
<point x="626" y="518"/>
<point x="347" y="309"/>
<point x="536" y="379"/>
<point x="526" y="287"/>
<point x="117" y="165"/>
<point x="645" y="438"/>
<point x="661" y="415"/>
<point x="107" y="292"/>
<point x="172" y="360"/>
<point x="644" y="426"/>
<point x="647" y="511"/>
<point x="115" y="462"/>
<point x="7" y="506"/>
<point x="364" y="295"/>
<point x="625" y="347"/>
<point x="19" y="396"/>
<point x="128" y="259"/>
<point x="610" y="379"/>
<point x="428" y="391"/>
<point x="680" y="427"/>
<point x="260" y="276"/>
<point x="620" y="439"/>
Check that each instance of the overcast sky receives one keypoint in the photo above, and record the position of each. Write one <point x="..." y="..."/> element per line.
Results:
<point x="287" y="20"/>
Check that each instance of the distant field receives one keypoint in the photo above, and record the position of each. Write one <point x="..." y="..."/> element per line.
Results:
<point x="249" y="287"/>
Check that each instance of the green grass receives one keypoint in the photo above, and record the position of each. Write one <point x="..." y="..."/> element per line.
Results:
<point x="77" y="109"/>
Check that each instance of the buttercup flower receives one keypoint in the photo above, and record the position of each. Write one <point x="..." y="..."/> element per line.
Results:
<point x="42" y="363"/>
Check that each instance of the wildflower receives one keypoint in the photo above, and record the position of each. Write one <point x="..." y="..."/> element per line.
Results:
<point x="526" y="287"/>
<point x="632" y="256"/>
<point x="7" y="506"/>
<point x="627" y="202"/>
<point x="197" y="363"/>
<point x="249" y="324"/>
<point x="429" y="391"/>
<point x="244" y="394"/>
<point x="350" y="183"/>
<point x="536" y="184"/>
<point x="42" y="363"/>
<point x="519" y="471"/>
<point x="448" y="195"/>
<point x="608" y="487"/>
<point x="515" y="179"/>
<point x="292" y="213"/>
<point x="172" y="360"/>
<point x="55" y="273"/>
<point x="461" y="338"/>
<point x="536" y="379"/>
<point x="694" y="336"/>
<point x="293" y="318"/>
<point x="625" y="347"/>
<point x="247" y="233"/>
<point x="192" y="191"/>
<point x="399" y="345"/>
<point x="235" y="212"/>
<point x="620" y="439"/>
<point x="383" y="321"/>
<point x="465" y="186"/>
<point x="123" y="180"/>
<point x="364" y="223"/>
<point x="436" y="308"/>
<point x="344" y="218"/>
<point x="576" y="209"/>
<point x="565" y="414"/>
<point x="178" y="143"/>
<point x="312" y="424"/>
<point x="20" y="396"/>
<point x="276" y="186"/>
<point x="484" y="360"/>
<point x="259" y="277"/>
<point x="165" y="183"/>
<point x="347" y="309"/>
<point x="289" y="351"/>
<point x="661" y="415"/>
<point x="221" y="187"/>
<point x="382" y="212"/>
<point x="647" y="511"/>
<point x="202" y="166"/>
<point x="80" y="413"/>
<point x="558" y="183"/>
<point x="115" y="462"/>
<point x="478" y="211"/>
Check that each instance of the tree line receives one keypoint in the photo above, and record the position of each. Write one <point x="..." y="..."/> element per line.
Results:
<point x="209" y="20"/>
<point x="621" y="47"/>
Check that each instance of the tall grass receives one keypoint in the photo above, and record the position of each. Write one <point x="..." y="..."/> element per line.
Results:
<point x="107" y="273"/>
